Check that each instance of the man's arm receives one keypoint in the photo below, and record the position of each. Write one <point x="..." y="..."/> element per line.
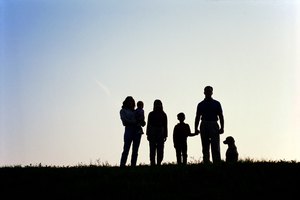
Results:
<point x="197" y="120"/>
<point x="221" y="117"/>
<point x="148" y="124"/>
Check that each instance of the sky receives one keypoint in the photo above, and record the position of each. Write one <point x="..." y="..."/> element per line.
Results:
<point x="66" y="67"/>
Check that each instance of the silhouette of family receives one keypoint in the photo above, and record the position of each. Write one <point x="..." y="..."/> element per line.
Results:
<point x="209" y="112"/>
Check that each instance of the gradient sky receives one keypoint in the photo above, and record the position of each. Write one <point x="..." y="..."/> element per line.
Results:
<point x="66" y="67"/>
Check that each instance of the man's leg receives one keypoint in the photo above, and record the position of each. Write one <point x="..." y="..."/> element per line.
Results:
<point x="215" y="144"/>
<point x="205" y="141"/>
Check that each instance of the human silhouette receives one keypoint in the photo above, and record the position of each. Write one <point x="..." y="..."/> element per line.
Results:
<point x="140" y="116"/>
<point x="131" y="134"/>
<point x="157" y="132"/>
<point x="180" y="133"/>
<point x="210" y="112"/>
<point x="231" y="152"/>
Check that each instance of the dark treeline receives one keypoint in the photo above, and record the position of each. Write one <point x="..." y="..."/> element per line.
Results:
<point x="218" y="181"/>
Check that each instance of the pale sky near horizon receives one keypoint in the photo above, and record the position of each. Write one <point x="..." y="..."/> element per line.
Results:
<point x="66" y="67"/>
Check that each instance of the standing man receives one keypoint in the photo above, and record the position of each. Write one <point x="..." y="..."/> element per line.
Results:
<point x="210" y="111"/>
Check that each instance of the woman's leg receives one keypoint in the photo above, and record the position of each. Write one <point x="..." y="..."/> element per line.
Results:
<point x="126" y="147"/>
<point x="135" y="148"/>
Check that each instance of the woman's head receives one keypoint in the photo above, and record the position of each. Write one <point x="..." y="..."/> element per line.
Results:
<point x="129" y="103"/>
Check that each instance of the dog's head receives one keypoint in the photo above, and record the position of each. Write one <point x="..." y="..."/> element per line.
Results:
<point x="229" y="140"/>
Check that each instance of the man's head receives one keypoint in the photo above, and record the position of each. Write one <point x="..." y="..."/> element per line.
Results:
<point x="208" y="91"/>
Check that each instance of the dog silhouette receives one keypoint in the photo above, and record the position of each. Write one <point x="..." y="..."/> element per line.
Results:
<point x="231" y="152"/>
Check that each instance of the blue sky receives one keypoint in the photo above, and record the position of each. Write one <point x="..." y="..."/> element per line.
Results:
<point x="66" y="67"/>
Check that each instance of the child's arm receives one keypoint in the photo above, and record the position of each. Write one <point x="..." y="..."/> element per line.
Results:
<point x="189" y="132"/>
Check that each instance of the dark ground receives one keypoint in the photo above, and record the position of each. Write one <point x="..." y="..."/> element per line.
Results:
<point x="244" y="180"/>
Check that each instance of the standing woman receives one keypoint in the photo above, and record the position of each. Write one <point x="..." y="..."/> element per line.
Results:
<point x="157" y="132"/>
<point x="131" y="134"/>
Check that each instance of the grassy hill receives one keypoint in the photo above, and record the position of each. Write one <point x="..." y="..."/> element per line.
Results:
<point x="195" y="181"/>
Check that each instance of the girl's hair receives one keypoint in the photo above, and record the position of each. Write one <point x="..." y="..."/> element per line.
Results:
<point x="157" y="106"/>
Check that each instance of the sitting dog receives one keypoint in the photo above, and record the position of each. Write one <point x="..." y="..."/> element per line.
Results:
<point x="231" y="153"/>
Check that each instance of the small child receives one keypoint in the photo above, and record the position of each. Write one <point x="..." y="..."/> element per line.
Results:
<point x="180" y="134"/>
<point x="140" y="116"/>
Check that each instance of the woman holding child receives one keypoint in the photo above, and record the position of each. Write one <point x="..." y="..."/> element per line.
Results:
<point x="133" y="133"/>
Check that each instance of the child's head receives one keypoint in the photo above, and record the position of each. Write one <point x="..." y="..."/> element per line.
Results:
<point x="181" y="117"/>
<point x="140" y="104"/>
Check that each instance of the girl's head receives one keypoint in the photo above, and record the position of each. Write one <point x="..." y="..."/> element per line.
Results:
<point x="157" y="106"/>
